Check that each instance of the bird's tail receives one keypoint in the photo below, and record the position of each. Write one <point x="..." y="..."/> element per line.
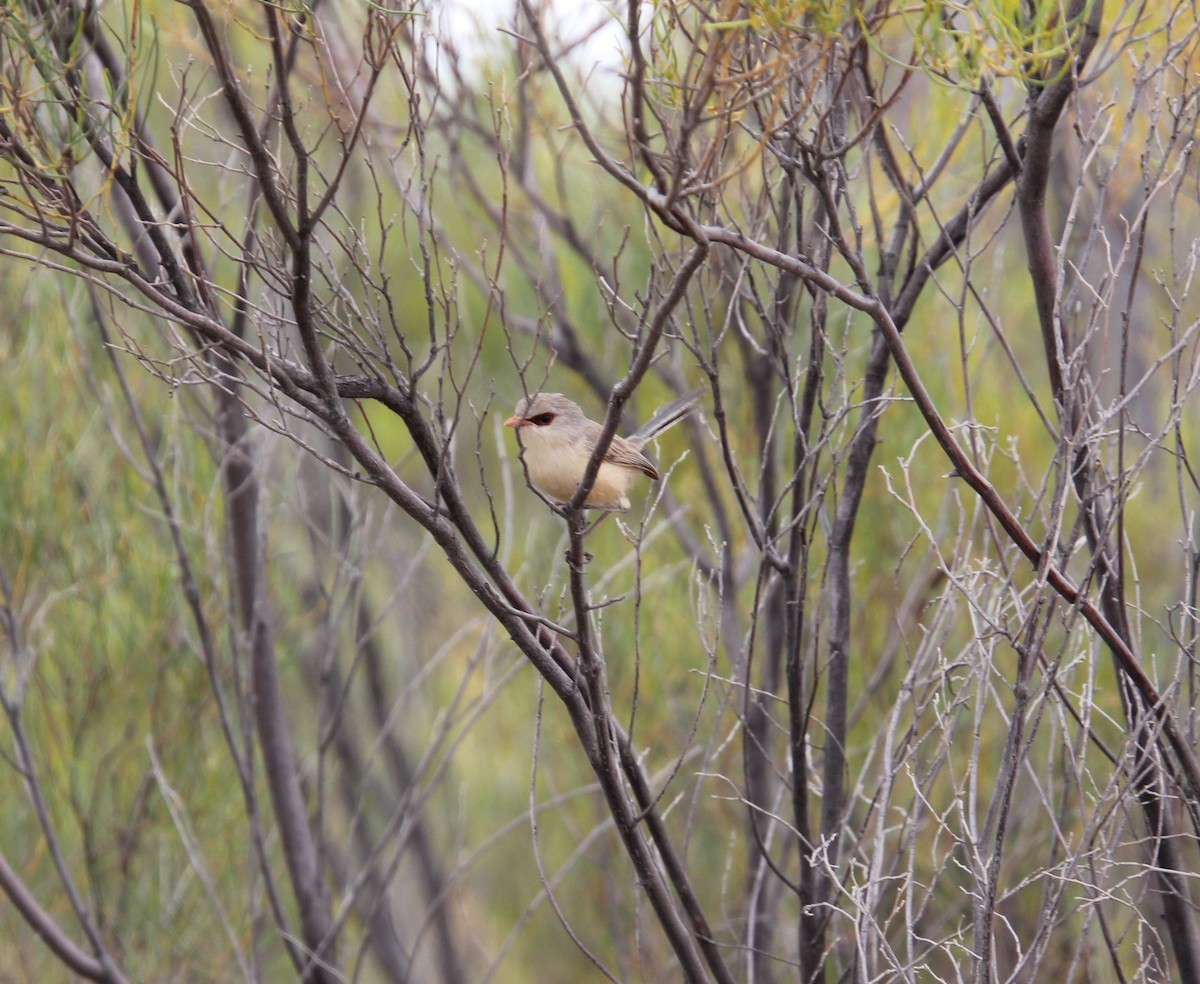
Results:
<point x="667" y="416"/>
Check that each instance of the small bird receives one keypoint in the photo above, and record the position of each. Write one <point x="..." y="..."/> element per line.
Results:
<point x="559" y="440"/>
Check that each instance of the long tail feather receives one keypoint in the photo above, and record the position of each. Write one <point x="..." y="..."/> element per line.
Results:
<point x="667" y="416"/>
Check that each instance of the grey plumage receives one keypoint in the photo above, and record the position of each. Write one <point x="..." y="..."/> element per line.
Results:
<point x="667" y="416"/>
<point x="560" y="439"/>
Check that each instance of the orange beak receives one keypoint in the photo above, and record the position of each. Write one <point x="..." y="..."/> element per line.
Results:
<point x="513" y="422"/>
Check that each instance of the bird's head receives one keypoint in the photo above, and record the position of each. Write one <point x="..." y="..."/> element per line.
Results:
<point x="549" y="412"/>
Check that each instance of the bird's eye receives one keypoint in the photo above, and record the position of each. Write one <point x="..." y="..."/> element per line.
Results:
<point x="542" y="419"/>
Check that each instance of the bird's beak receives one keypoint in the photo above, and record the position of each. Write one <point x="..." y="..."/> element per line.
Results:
<point x="513" y="422"/>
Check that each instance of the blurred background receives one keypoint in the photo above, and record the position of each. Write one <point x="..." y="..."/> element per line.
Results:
<point x="891" y="677"/>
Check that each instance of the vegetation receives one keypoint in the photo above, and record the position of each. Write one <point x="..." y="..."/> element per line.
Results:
<point x="891" y="677"/>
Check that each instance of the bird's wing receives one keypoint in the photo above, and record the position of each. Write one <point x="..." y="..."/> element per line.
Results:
<point x="621" y="452"/>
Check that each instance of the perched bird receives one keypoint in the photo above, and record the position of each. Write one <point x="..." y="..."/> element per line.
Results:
<point x="559" y="440"/>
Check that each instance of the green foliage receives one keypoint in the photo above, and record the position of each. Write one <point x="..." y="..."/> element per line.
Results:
<point x="113" y="690"/>
<point x="438" y="254"/>
<point x="969" y="43"/>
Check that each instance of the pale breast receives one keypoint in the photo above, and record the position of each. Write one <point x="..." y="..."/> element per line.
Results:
<point x="557" y="471"/>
